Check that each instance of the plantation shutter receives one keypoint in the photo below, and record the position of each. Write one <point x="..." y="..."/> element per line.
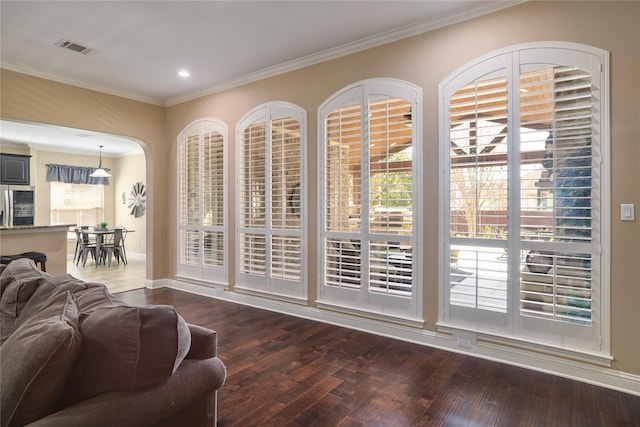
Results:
<point x="213" y="199"/>
<point x="556" y="281"/>
<point x="254" y="199"/>
<point x="478" y="196"/>
<point x="525" y="195"/>
<point x="271" y="208"/>
<point x="342" y="196"/>
<point x="202" y="198"/>
<point x="390" y="195"/>
<point x="369" y="199"/>
<point x="286" y="248"/>
<point x="189" y="205"/>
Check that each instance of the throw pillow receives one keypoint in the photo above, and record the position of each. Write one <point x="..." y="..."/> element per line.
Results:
<point x="88" y="296"/>
<point x="23" y="280"/>
<point x="94" y="297"/>
<point x="22" y="270"/>
<point x="40" y="298"/>
<point x="127" y="348"/>
<point x="36" y="361"/>
<point x="16" y="295"/>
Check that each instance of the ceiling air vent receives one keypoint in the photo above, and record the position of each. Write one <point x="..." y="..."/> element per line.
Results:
<point x="68" y="44"/>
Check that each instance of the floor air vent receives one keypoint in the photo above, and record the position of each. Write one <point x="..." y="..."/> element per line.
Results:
<point x="68" y="44"/>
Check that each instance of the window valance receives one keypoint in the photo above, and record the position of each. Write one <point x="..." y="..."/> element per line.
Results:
<point x="74" y="175"/>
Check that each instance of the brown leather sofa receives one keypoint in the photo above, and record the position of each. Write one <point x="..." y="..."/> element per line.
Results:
<point x="72" y="354"/>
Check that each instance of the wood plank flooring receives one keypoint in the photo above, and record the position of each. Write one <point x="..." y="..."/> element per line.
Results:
<point x="287" y="371"/>
<point x="117" y="277"/>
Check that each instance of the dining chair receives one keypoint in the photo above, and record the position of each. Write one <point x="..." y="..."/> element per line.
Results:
<point x="84" y="247"/>
<point x="78" y="231"/>
<point x="78" y="240"/>
<point x="123" y="252"/>
<point x="113" y="247"/>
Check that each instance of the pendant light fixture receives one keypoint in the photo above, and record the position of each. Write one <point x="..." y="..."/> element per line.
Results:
<point x="100" y="173"/>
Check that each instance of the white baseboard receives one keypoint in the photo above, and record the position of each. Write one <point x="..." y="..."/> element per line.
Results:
<point x="156" y="284"/>
<point x="547" y="363"/>
<point x="199" y="288"/>
<point x="137" y="256"/>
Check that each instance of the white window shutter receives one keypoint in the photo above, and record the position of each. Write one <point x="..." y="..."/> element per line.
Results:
<point x="271" y="209"/>
<point x="523" y="194"/>
<point x="369" y="199"/>
<point x="202" y="201"/>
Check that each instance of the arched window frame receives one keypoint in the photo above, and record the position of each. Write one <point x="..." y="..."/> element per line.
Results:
<point x="202" y="238"/>
<point x="277" y="211"/>
<point x="357" y="279"/>
<point x="518" y="324"/>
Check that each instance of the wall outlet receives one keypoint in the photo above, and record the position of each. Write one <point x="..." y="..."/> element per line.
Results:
<point x="464" y="342"/>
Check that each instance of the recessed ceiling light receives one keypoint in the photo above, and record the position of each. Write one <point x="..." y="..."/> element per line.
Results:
<point x="184" y="73"/>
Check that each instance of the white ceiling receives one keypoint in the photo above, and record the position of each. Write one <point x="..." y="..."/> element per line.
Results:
<point x="138" y="47"/>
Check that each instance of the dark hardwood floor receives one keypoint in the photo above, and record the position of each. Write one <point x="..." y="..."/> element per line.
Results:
<point x="287" y="371"/>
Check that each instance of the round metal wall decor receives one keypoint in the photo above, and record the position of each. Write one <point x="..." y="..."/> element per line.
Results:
<point x="138" y="200"/>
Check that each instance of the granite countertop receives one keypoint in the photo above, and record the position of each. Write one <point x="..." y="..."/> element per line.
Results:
<point x="37" y="227"/>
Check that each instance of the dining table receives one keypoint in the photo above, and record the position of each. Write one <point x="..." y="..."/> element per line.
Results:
<point x="100" y="236"/>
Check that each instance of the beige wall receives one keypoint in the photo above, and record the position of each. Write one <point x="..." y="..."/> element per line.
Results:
<point x="130" y="169"/>
<point x="424" y="60"/>
<point x="37" y="100"/>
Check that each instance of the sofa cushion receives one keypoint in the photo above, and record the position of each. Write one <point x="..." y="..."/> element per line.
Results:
<point x="22" y="270"/>
<point x="20" y="280"/>
<point x="88" y="295"/>
<point x="36" y="361"/>
<point x="95" y="296"/>
<point x="46" y="289"/>
<point x="127" y="348"/>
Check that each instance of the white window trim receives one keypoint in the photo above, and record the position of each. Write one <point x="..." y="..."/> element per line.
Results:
<point x="202" y="274"/>
<point x="601" y="353"/>
<point x="409" y="313"/>
<point x="266" y="286"/>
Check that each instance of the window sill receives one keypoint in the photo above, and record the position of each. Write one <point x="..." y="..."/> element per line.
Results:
<point x="504" y="343"/>
<point x="387" y="318"/>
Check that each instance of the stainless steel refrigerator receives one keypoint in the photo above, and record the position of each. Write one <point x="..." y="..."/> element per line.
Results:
<point x="17" y="207"/>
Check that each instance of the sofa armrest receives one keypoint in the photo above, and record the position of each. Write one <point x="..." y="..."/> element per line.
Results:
<point x="204" y="343"/>
<point x="193" y="380"/>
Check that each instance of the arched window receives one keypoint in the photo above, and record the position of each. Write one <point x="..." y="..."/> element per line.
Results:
<point x="524" y="145"/>
<point x="202" y="198"/>
<point x="271" y="145"/>
<point x="370" y="188"/>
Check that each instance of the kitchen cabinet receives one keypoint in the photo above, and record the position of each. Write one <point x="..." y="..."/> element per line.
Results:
<point x="14" y="169"/>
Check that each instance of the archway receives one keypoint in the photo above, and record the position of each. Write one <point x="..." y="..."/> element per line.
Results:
<point x="123" y="201"/>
